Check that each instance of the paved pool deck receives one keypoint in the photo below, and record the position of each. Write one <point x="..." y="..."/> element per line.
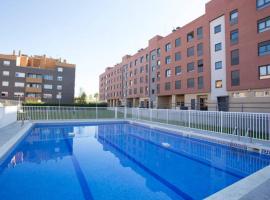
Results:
<point x="256" y="186"/>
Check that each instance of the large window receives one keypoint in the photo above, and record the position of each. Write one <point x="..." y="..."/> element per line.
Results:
<point x="5" y="83"/>
<point x="48" y="77"/>
<point x="177" y="70"/>
<point x="234" y="36"/>
<point x="234" y="17"/>
<point x="158" y="52"/>
<point x="177" y="84"/>
<point x="6" y="62"/>
<point x="263" y="3"/>
<point x="190" y="83"/>
<point x="264" y="48"/>
<point x="167" y="86"/>
<point x="218" y="46"/>
<point x="5" y="73"/>
<point x="218" y="84"/>
<point x="19" y="84"/>
<point x="218" y="65"/>
<point x="177" y="56"/>
<point x="190" y="51"/>
<point x="263" y="24"/>
<point x="217" y="29"/>
<point x="200" y="49"/>
<point x="168" y="60"/>
<point x="200" y="33"/>
<point x="177" y="42"/>
<point x="235" y="76"/>
<point x="167" y="73"/>
<point x="168" y="47"/>
<point x="19" y="75"/>
<point x="235" y="57"/>
<point x="190" y="36"/>
<point x="264" y="71"/>
<point x="48" y="86"/>
<point x="190" y="67"/>
<point x="200" y="66"/>
<point x="200" y="82"/>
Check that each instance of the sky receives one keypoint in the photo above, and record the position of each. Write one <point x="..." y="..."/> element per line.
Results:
<point x="93" y="34"/>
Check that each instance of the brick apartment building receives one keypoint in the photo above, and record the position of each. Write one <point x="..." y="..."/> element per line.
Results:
<point x="222" y="58"/>
<point x="36" y="79"/>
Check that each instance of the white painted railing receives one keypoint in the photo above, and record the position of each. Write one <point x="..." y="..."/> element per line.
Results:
<point x="241" y="124"/>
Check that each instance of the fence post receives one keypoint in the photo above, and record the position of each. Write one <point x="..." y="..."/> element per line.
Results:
<point x="167" y="116"/>
<point x="189" y="118"/>
<point x="138" y="113"/>
<point x="151" y="110"/>
<point x="125" y="112"/>
<point x="115" y="112"/>
<point x="96" y="112"/>
<point x="221" y="121"/>
<point x="47" y="114"/>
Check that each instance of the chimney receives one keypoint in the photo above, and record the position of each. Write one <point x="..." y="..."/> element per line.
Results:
<point x="14" y="52"/>
<point x="19" y="54"/>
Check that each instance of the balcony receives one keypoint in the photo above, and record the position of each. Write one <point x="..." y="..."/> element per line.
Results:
<point x="33" y="90"/>
<point x="33" y="80"/>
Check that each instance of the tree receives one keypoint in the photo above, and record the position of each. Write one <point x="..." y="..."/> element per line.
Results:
<point x="96" y="96"/>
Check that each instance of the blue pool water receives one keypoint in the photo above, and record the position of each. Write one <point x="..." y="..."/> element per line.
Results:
<point x="119" y="161"/>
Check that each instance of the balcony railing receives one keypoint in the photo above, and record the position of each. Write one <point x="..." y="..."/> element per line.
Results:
<point x="33" y="80"/>
<point x="246" y="125"/>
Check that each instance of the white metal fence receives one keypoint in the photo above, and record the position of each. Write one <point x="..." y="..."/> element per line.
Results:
<point x="253" y="125"/>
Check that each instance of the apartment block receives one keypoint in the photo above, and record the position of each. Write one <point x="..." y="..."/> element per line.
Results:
<point x="221" y="58"/>
<point x="36" y="79"/>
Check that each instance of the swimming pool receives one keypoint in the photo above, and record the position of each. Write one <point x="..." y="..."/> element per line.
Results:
<point x="120" y="161"/>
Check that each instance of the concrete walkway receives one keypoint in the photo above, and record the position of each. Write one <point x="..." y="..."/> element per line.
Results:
<point x="11" y="135"/>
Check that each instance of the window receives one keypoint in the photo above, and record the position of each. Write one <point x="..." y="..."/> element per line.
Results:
<point x="200" y="49"/>
<point x="158" y="63"/>
<point x="48" y="77"/>
<point x="168" y="47"/>
<point x="262" y="3"/>
<point x="135" y="63"/>
<point x="59" y="96"/>
<point x="235" y="78"/>
<point x="177" y="56"/>
<point x="19" y="75"/>
<point x="177" y="84"/>
<point x="141" y="90"/>
<point x="235" y="57"/>
<point x="5" y="83"/>
<point x="190" y="51"/>
<point x="200" y="82"/>
<point x="18" y="94"/>
<point x="141" y="69"/>
<point x="168" y="60"/>
<point x="177" y="42"/>
<point x="190" y="83"/>
<point x="141" y="59"/>
<point x="19" y="84"/>
<point x="158" y="88"/>
<point x="234" y="17"/>
<point x="218" y="47"/>
<point x="167" y="73"/>
<point x="5" y="73"/>
<point x="167" y="86"/>
<point x="6" y="62"/>
<point x="264" y="48"/>
<point x="190" y="36"/>
<point x="4" y="94"/>
<point x="60" y="69"/>
<point x="158" y="52"/>
<point x="218" y="84"/>
<point x="218" y="65"/>
<point x="177" y="70"/>
<point x="264" y="71"/>
<point x="59" y="78"/>
<point x="262" y="94"/>
<point x="190" y="67"/>
<point x="200" y="66"/>
<point x="158" y="76"/>
<point x="34" y="75"/>
<point x="239" y="94"/>
<point x="200" y="33"/>
<point x="153" y="57"/>
<point x="234" y="36"/>
<point x="263" y="24"/>
<point x="217" y="29"/>
<point x="47" y="96"/>
<point x="47" y="87"/>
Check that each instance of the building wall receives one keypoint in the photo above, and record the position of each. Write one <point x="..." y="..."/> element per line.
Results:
<point x="67" y="83"/>
<point x="216" y="12"/>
